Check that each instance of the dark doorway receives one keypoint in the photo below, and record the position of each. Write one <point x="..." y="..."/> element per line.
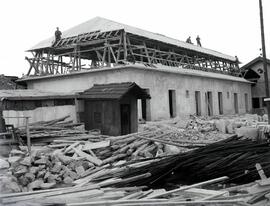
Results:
<point x="172" y="103"/>
<point x="255" y="102"/>
<point x="235" y="103"/>
<point x="144" y="109"/>
<point x="220" y="102"/>
<point x="125" y="119"/>
<point x="198" y="102"/>
<point x="145" y="103"/>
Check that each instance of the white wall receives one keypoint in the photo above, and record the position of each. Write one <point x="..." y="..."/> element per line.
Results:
<point x="159" y="82"/>
<point x="39" y="114"/>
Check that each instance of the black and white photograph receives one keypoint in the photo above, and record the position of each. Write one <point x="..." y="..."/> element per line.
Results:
<point x="135" y="103"/>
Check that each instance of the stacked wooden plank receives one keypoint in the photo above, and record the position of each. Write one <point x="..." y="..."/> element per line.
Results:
<point x="96" y="194"/>
<point x="46" y="131"/>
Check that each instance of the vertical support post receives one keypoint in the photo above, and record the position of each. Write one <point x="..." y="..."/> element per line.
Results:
<point x="47" y="63"/>
<point x="79" y="58"/>
<point x="28" y="135"/>
<point x="125" y="45"/>
<point x="264" y="60"/>
<point x="61" y="64"/>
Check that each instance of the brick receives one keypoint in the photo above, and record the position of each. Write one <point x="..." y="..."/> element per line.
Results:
<point x="247" y="132"/>
<point x="68" y="180"/>
<point x="26" y="161"/>
<point x="3" y="164"/>
<point x="34" y="170"/>
<point x="36" y="184"/>
<point x="42" y="161"/>
<point x="79" y="170"/>
<point x="14" y="159"/>
<point x="30" y="177"/>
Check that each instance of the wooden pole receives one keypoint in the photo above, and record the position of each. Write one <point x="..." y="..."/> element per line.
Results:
<point x="190" y="186"/>
<point x="125" y="44"/>
<point x="264" y="60"/>
<point x="28" y="135"/>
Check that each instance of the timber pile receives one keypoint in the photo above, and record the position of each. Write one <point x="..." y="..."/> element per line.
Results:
<point x="232" y="157"/>
<point x="87" y="177"/>
<point x="99" y="195"/>
<point x="67" y="162"/>
<point x="46" y="131"/>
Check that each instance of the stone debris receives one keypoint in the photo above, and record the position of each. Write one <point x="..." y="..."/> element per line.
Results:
<point x="130" y="159"/>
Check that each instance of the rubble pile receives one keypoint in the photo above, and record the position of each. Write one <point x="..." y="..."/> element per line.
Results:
<point x="59" y="177"/>
<point x="64" y="161"/>
<point x="68" y="165"/>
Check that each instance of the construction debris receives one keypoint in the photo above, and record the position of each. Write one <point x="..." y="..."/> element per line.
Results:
<point x="135" y="169"/>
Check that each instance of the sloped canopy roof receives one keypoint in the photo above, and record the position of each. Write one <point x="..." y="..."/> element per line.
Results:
<point x="114" y="91"/>
<point x="105" y="25"/>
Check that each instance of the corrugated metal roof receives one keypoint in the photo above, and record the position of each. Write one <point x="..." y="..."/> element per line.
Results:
<point x="114" y="91"/>
<point x="31" y="94"/>
<point x="104" y="25"/>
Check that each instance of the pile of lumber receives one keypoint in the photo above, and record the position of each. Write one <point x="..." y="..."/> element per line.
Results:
<point x="46" y="131"/>
<point x="233" y="157"/>
<point x="69" y="162"/>
<point x="96" y="194"/>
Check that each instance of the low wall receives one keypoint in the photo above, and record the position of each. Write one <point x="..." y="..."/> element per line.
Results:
<point x="39" y="114"/>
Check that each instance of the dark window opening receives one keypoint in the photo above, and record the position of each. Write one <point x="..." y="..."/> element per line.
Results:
<point x="220" y="103"/>
<point x="198" y="102"/>
<point x="172" y="103"/>
<point x="209" y="103"/>
<point x="235" y="95"/>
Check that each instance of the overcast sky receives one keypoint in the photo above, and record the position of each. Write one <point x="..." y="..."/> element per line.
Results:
<point x="228" y="26"/>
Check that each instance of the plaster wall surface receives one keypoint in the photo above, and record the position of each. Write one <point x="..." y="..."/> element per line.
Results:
<point x="39" y="114"/>
<point x="158" y="82"/>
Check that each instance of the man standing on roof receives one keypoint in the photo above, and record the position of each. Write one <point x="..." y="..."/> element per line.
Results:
<point x="198" y="39"/>
<point x="189" y="40"/>
<point x="57" y="34"/>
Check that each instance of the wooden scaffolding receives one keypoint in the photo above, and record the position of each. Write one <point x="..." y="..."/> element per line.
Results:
<point x="108" y="49"/>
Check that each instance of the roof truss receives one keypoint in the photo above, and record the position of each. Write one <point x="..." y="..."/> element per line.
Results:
<point x="108" y="49"/>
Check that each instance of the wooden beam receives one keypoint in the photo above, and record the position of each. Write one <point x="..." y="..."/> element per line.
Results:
<point x="125" y="44"/>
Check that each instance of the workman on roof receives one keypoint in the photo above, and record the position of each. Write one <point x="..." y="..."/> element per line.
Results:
<point x="58" y="34"/>
<point x="198" y="39"/>
<point x="189" y="40"/>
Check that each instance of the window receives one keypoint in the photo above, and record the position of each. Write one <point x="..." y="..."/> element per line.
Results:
<point x="187" y="94"/>
<point x="172" y="103"/>
<point x="228" y="95"/>
<point x="235" y="97"/>
<point x="220" y="103"/>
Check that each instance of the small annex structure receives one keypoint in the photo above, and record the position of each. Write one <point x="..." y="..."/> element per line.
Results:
<point x="254" y="72"/>
<point x="36" y="104"/>
<point x="112" y="108"/>
<point x="100" y="43"/>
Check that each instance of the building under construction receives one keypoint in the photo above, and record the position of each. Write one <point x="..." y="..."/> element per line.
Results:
<point x="180" y="77"/>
